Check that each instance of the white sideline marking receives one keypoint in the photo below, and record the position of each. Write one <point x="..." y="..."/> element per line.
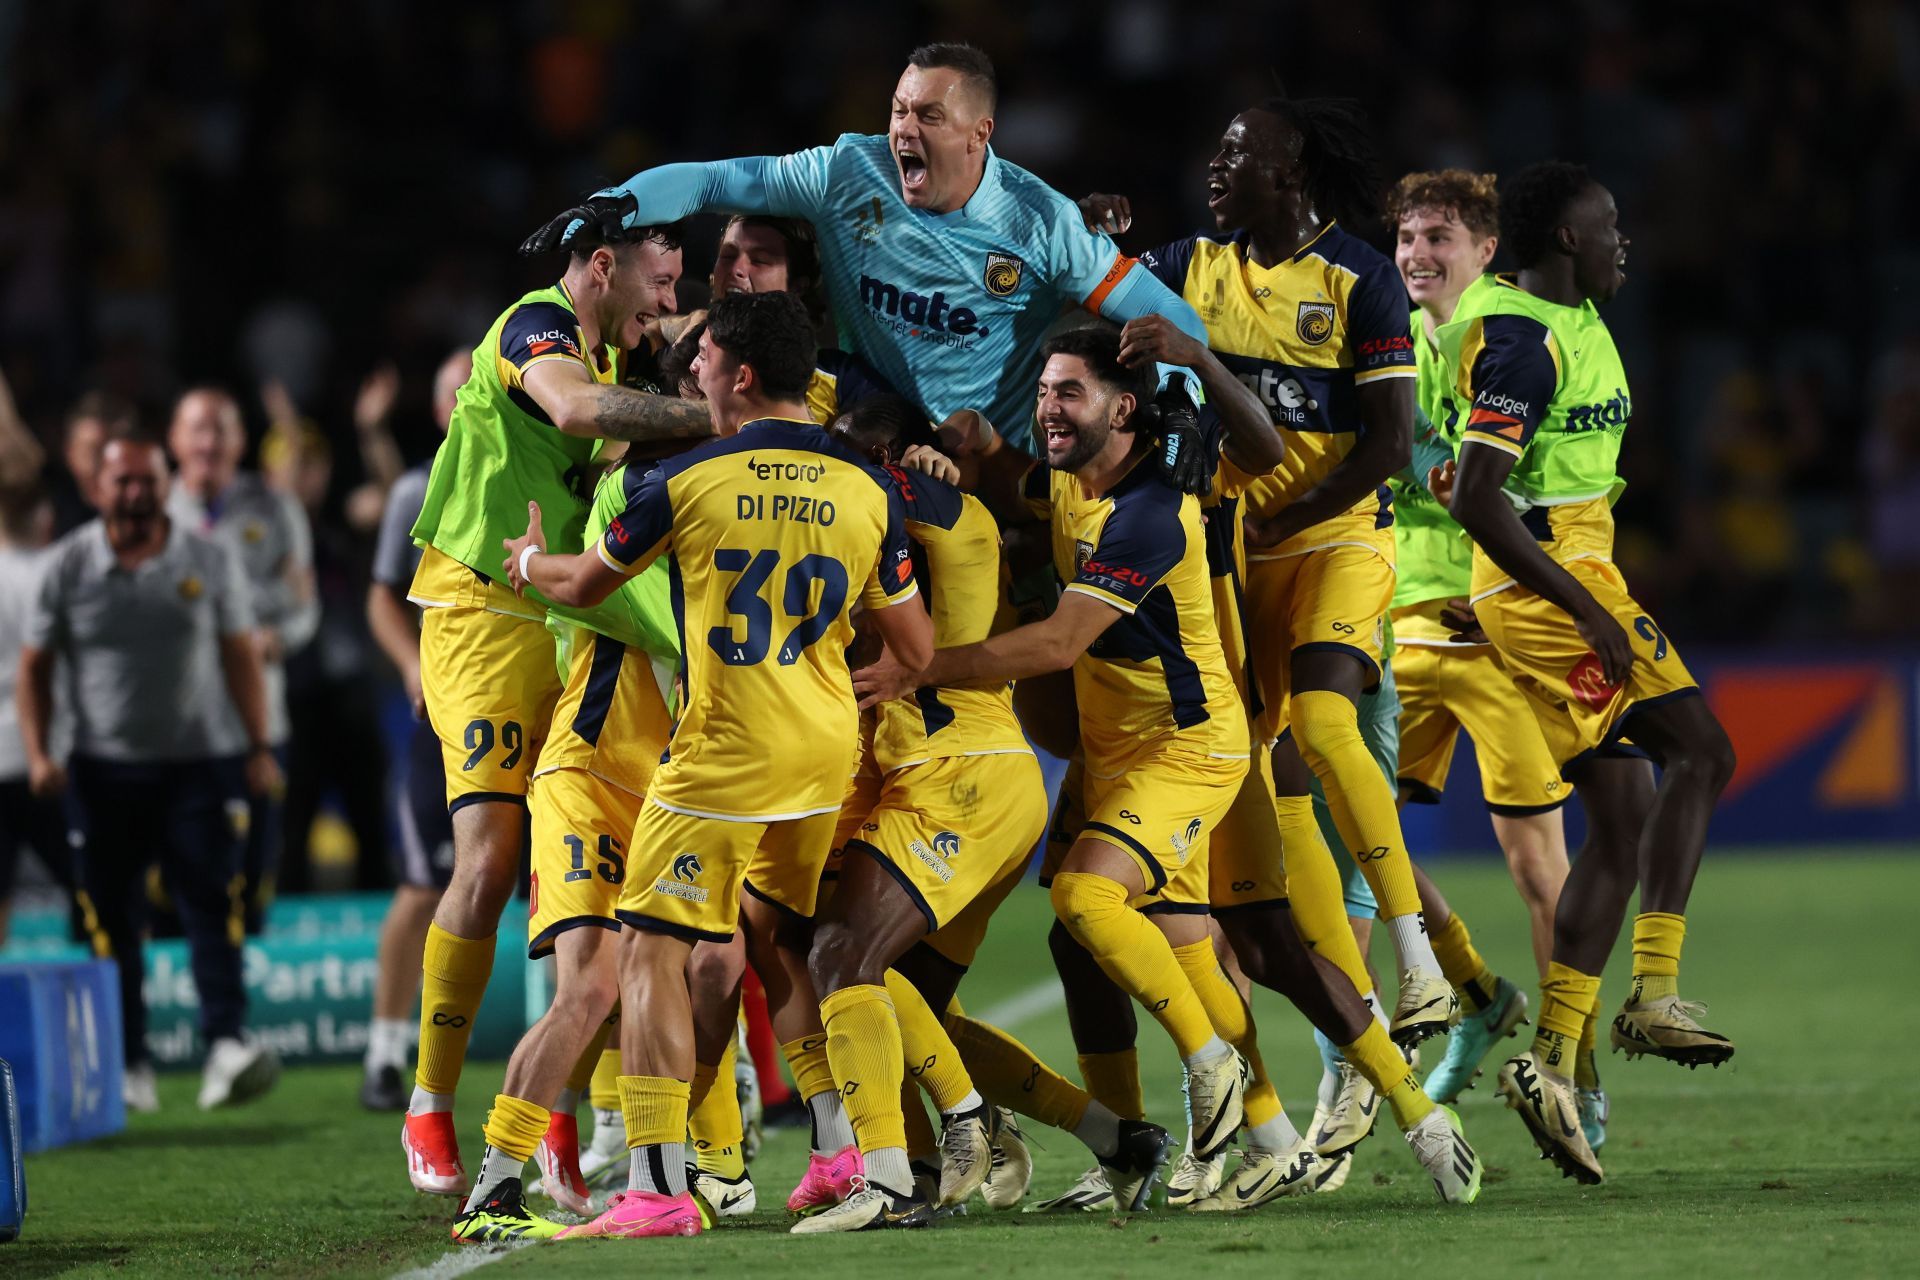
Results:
<point x="458" y="1262"/>
<point x="1041" y="997"/>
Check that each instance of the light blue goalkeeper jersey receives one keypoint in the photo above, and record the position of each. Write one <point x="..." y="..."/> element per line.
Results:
<point x="949" y="307"/>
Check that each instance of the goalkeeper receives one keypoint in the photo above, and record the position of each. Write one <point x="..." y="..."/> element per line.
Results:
<point x="945" y="265"/>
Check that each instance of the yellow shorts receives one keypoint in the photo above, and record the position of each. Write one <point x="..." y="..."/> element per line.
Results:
<point x="581" y="826"/>
<point x="1578" y="712"/>
<point x="686" y="873"/>
<point x="1244" y="864"/>
<point x="490" y="681"/>
<point x="948" y="829"/>
<point x="1447" y="688"/>
<point x="1330" y="598"/>
<point x="1161" y="808"/>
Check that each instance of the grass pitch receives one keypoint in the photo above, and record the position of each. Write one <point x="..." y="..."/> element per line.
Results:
<point x="1800" y="1157"/>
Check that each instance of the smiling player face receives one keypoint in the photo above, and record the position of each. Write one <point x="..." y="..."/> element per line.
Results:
<point x="938" y="134"/>
<point x="639" y="289"/>
<point x="1246" y="177"/>
<point x="1439" y="256"/>
<point x="1077" y="412"/>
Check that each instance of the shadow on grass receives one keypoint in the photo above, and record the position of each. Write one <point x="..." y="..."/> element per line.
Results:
<point x="23" y="1260"/>
<point x="186" y="1135"/>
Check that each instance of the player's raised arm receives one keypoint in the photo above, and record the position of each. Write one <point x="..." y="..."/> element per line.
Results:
<point x="1251" y="442"/>
<point x="579" y="406"/>
<point x="789" y="186"/>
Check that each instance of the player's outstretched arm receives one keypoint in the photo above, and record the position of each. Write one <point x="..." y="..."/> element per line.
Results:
<point x="578" y="581"/>
<point x="1385" y="447"/>
<point x="1139" y="293"/>
<point x="1489" y="518"/>
<point x="1051" y="644"/>
<point x="907" y="630"/>
<point x="579" y="406"/>
<point x="791" y="185"/>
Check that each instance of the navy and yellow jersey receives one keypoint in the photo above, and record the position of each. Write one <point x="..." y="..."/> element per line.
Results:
<point x="956" y="560"/>
<point x="1304" y="334"/>
<point x="772" y="533"/>
<point x="840" y="381"/>
<point x="1158" y="672"/>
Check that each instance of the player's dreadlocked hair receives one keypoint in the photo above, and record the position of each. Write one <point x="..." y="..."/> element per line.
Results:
<point x="1533" y="204"/>
<point x="1466" y="197"/>
<point x="1343" y="174"/>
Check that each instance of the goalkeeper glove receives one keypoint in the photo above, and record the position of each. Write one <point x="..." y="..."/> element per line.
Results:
<point x="1184" y="458"/>
<point x="607" y="212"/>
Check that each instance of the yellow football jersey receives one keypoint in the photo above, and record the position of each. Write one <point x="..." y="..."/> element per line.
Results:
<point x="956" y="547"/>
<point x="1160" y="669"/>
<point x="1224" y="527"/>
<point x="771" y="531"/>
<point x="1303" y="334"/>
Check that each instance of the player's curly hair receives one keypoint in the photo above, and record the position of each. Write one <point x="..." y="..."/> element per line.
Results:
<point x="1533" y="204"/>
<point x="1336" y="146"/>
<point x="1469" y="198"/>
<point x="1099" y="346"/>
<point x="771" y="332"/>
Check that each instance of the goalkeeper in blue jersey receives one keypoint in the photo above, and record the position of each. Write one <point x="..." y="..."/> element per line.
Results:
<point x="944" y="264"/>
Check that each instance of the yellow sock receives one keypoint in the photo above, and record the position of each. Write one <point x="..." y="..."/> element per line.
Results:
<point x="713" y="1118"/>
<point x="1657" y="936"/>
<point x="1376" y="1057"/>
<point x="1586" y="1066"/>
<point x="863" y="1046"/>
<point x="930" y="1054"/>
<point x="588" y="1064"/>
<point x="1133" y="953"/>
<point x="1232" y="1021"/>
<point x="1009" y="1075"/>
<point x="1463" y="965"/>
<point x="1567" y="1000"/>
<point x="655" y="1108"/>
<point x="515" y="1126"/>
<point x="1314" y="892"/>
<point x="604" y="1090"/>
<point x="453" y="978"/>
<point x="921" y="1142"/>
<point x="808" y="1064"/>
<point x="1361" y="799"/>
<point x="1113" y="1079"/>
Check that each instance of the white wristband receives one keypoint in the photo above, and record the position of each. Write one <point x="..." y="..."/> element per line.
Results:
<point x="527" y="553"/>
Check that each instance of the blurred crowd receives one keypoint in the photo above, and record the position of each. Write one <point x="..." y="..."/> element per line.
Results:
<point x="312" y="205"/>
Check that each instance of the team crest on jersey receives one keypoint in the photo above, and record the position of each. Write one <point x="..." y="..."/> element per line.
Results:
<point x="1003" y="274"/>
<point x="254" y="532"/>
<point x="1315" y="324"/>
<point x="1082" y="552"/>
<point x="191" y="588"/>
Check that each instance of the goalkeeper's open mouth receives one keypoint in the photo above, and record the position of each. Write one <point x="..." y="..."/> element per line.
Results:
<point x="913" y="168"/>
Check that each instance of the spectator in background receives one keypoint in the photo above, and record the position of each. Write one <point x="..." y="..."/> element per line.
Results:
<point x="268" y="531"/>
<point x="332" y="697"/>
<point x="26" y="526"/>
<point x="71" y="487"/>
<point x="1892" y="457"/>
<point x="155" y="629"/>
<point x="426" y="830"/>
